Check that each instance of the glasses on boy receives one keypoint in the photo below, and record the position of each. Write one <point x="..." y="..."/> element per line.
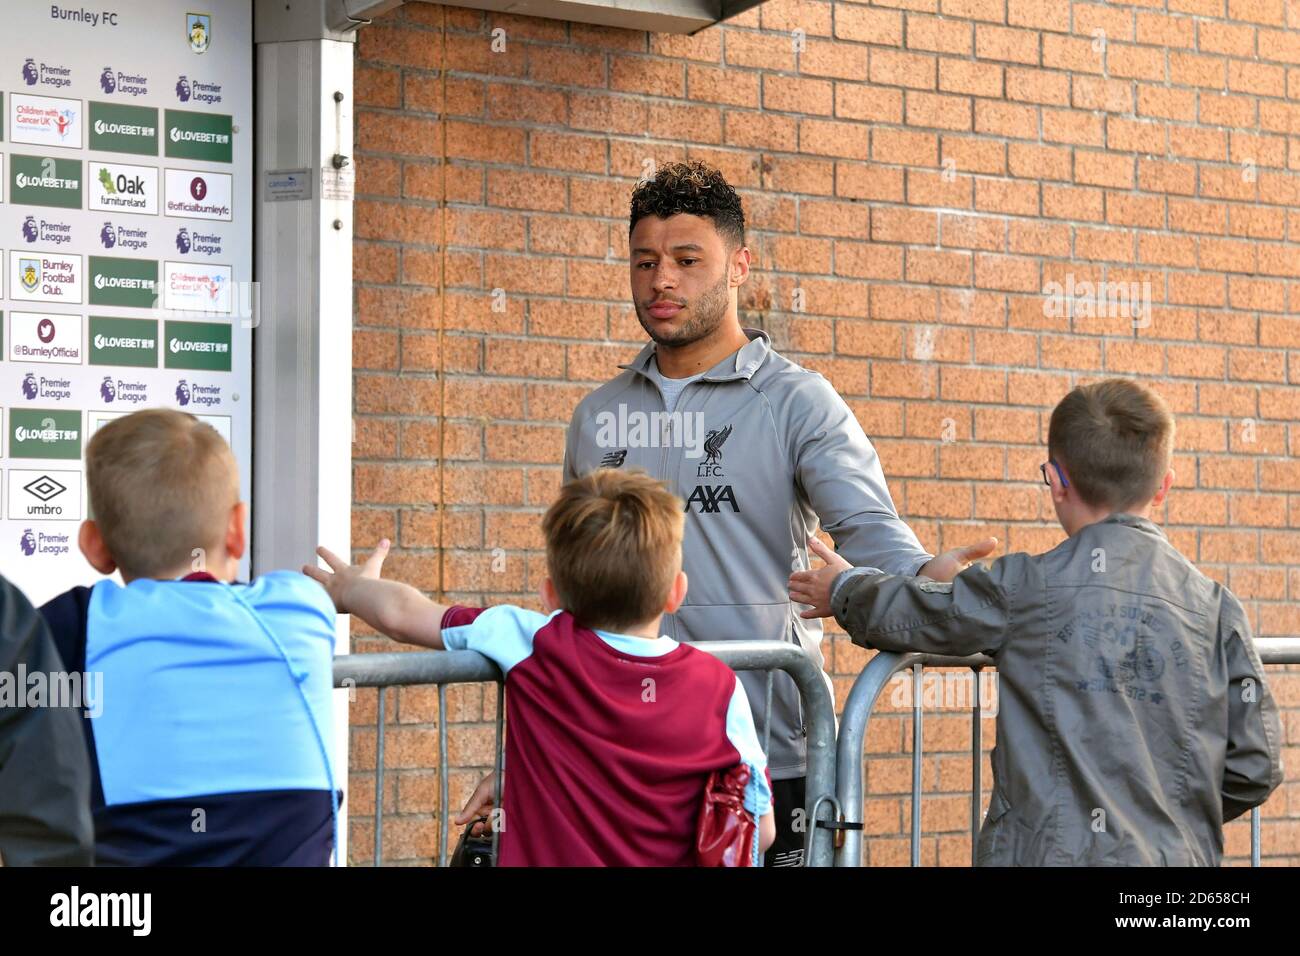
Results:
<point x="1059" y="474"/>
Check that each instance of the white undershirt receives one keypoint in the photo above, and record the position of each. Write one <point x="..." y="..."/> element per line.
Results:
<point x="671" y="387"/>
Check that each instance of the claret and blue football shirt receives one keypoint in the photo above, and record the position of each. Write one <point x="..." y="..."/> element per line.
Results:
<point x="610" y="739"/>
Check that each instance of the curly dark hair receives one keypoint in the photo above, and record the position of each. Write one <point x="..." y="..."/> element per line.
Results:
<point x="693" y="188"/>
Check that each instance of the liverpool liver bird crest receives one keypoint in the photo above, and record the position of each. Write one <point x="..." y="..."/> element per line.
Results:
<point x="713" y="442"/>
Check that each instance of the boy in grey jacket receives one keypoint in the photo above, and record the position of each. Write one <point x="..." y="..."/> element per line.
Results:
<point x="1134" y="718"/>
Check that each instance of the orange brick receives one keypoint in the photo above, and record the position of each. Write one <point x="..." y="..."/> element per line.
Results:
<point x="902" y="225"/>
<point x="1073" y="202"/>
<point x="905" y="147"/>
<point x="1160" y="101"/>
<point x="928" y="188"/>
<point x="1157" y="29"/>
<point x="1038" y="86"/>
<point x="1031" y="160"/>
<point x="1009" y="273"/>
<point x="972" y="77"/>
<point x="1006" y="119"/>
<point x="973" y="232"/>
<point x="894" y="68"/>
<point x="974" y="155"/>
<point x="1190" y="69"/>
<point x="1076" y="54"/>
<point x="862" y="101"/>
<point x="1156" y="175"/>
<point x="1097" y="93"/>
<point x="938" y="267"/>
<point x="1008" y="44"/>
<point x="1072" y="126"/>
<point x="869" y="25"/>
<point x="1007" y="196"/>
<point x="832" y="138"/>
<point x="1038" y="14"/>
<point x="934" y="33"/>
<point x="937" y="110"/>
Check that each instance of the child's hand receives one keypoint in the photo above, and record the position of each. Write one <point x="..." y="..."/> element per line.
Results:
<point x="814" y="587"/>
<point x="479" y="805"/>
<point x="338" y="583"/>
<point x="946" y="566"/>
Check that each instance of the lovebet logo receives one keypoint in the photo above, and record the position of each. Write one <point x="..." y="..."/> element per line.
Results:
<point x="45" y="181"/>
<point x="197" y="345"/>
<point x="206" y="136"/>
<point x="123" y="129"/>
<point x="45" y="433"/>
<point x="128" y="282"/>
<point x="123" y="342"/>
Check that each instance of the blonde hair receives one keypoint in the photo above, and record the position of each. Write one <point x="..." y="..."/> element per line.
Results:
<point x="161" y="484"/>
<point x="614" y="547"/>
<point x="1115" y="438"/>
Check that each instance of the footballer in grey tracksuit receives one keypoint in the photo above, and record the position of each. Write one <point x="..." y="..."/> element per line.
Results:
<point x="759" y="449"/>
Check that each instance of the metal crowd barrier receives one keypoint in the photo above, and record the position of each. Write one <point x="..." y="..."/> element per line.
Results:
<point x="857" y="716"/>
<point x="452" y="667"/>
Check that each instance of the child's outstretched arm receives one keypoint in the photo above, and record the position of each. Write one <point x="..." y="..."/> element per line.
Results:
<point x="390" y="607"/>
<point x="965" y="616"/>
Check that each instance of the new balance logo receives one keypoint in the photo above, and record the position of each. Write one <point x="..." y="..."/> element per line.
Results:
<point x="711" y="498"/>
<point x="788" y="858"/>
<point x="614" y="459"/>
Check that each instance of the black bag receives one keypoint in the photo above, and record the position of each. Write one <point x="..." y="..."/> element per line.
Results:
<point x="474" y="850"/>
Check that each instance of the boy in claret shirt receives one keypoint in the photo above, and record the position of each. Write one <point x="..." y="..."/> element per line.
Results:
<point x="612" y="729"/>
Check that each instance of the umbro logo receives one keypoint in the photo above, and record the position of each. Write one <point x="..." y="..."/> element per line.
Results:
<point x="711" y="498"/>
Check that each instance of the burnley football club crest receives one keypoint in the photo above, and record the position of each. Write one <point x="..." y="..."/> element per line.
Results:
<point x="198" y="29"/>
<point x="29" y="273"/>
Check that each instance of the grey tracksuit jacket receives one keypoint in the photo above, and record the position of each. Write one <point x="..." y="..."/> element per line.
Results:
<point x="1133" y="714"/>
<point x="758" y="449"/>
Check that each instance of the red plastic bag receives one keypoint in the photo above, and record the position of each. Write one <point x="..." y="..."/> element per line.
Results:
<point x="726" y="830"/>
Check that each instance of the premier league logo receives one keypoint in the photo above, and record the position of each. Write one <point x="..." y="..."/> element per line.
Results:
<point x="107" y="236"/>
<point x="183" y="392"/>
<point x="28" y="543"/>
<point x="29" y="72"/>
<point x="29" y="386"/>
<point x="183" y="241"/>
<point x="106" y="390"/>
<point x="183" y="90"/>
<point x="198" y="28"/>
<point x="106" y="81"/>
<point x="29" y="229"/>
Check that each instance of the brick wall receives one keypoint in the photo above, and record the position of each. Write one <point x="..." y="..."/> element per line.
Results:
<point x="921" y="171"/>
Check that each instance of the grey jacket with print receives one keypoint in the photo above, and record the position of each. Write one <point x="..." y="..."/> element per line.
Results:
<point x="1133" y="716"/>
<point x="759" y="449"/>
